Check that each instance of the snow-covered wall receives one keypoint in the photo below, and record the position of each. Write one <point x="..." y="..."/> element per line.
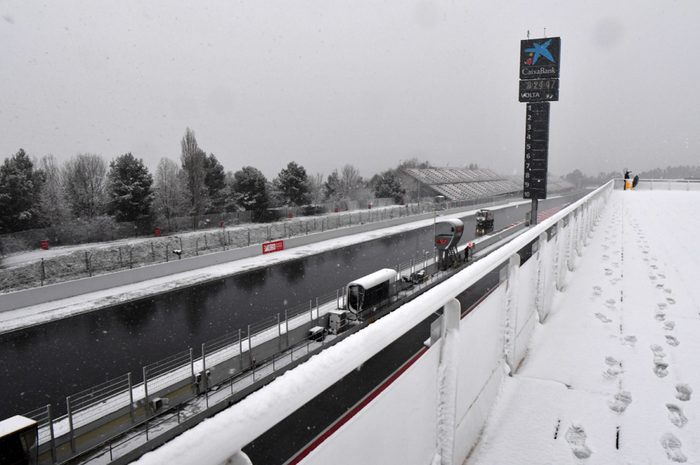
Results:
<point x="428" y="414"/>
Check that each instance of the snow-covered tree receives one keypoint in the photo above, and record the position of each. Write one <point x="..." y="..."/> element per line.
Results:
<point x="316" y="187"/>
<point x="292" y="185"/>
<point x="331" y="188"/>
<point x="129" y="189"/>
<point x="215" y="181"/>
<point x="170" y="188"/>
<point x="192" y="158"/>
<point x="389" y="185"/>
<point x="84" y="179"/>
<point x="52" y="203"/>
<point x="20" y="186"/>
<point x="350" y="182"/>
<point x="249" y="189"/>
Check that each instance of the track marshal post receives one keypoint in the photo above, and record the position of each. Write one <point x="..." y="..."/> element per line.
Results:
<point x="539" y="85"/>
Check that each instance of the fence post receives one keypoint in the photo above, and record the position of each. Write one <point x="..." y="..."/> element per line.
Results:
<point x="167" y="257"/>
<point x="249" y="236"/>
<point x="196" y="247"/>
<point x="286" y="326"/>
<point x="70" y="424"/>
<point x="318" y="312"/>
<point x="279" y="339"/>
<point x="250" y="350"/>
<point x="53" y="437"/>
<point x="131" y="398"/>
<point x="145" y="391"/>
<point x="240" y="351"/>
<point x="131" y="258"/>
<point x="87" y="264"/>
<point x="192" y="364"/>
<point x="43" y="272"/>
<point x="204" y="370"/>
<point x="153" y="252"/>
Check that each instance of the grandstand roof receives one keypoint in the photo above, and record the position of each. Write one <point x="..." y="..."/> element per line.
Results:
<point x="462" y="183"/>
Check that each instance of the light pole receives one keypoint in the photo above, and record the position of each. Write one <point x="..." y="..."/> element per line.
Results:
<point x="437" y="198"/>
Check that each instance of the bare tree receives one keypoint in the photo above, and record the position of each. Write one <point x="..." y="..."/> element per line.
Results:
<point x="170" y="187"/>
<point x="52" y="201"/>
<point x="83" y="179"/>
<point x="193" y="159"/>
<point x="350" y="182"/>
<point x="316" y="187"/>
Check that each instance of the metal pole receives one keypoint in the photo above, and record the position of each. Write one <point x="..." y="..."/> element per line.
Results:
<point x="533" y="213"/>
<point x="240" y="351"/>
<point x="70" y="424"/>
<point x="131" y="398"/>
<point x="192" y="363"/>
<point x="286" y="326"/>
<point x="145" y="391"/>
<point x="204" y="368"/>
<point x="250" y="350"/>
<point x="318" y="313"/>
<point x="53" y="438"/>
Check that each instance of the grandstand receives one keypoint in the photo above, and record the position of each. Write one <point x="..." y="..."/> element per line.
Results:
<point x="465" y="184"/>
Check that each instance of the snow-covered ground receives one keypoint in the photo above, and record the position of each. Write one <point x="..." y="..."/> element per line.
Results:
<point x="610" y="375"/>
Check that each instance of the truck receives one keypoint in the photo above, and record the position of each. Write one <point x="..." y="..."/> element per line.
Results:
<point x="484" y="221"/>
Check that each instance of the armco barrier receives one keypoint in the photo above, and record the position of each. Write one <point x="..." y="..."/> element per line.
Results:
<point x="454" y="382"/>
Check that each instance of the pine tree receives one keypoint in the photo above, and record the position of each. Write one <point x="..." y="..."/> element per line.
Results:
<point x="215" y="181"/>
<point x="20" y="187"/>
<point x="389" y="185"/>
<point x="292" y="185"/>
<point x="129" y="190"/>
<point x="250" y="189"/>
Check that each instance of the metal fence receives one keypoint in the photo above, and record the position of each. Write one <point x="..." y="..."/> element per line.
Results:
<point x="102" y="260"/>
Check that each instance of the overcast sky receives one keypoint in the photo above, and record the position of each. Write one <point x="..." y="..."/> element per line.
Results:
<point x="325" y="83"/>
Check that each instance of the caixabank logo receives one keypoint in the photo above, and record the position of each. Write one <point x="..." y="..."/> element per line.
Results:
<point x="539" y="58"/>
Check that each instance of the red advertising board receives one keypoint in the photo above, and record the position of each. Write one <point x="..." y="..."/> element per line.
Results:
<point x="275" y="246"/>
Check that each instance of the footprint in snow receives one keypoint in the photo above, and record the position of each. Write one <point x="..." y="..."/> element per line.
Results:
<point x="603" y="318"/>
<point x="661" y="275"/>
<point x="629" y="340"/>
<point x="673" y="448"/>
<point x="653" y="267"/>
<point x="658" y="350"/>
<point x="672" y="341"/>
<point x="597" y="290"/>
<point x="669" y="325"/>
<point x="675" y="414"/>
<point x="659" y="315"/>
<point x="660" y="286"/>
<point x="652" y="277"/>
<point x="605" y="257"/>
<point x="622" y="400"/>
<point x="670" y="300"/>
<point x="683" y="392"/>
<point x="662" y="305"/>
<point x="576" y="437"/>
<point x="668" y="291"/>
<point x="660" y="368"/>
<point x="608" y="271"/>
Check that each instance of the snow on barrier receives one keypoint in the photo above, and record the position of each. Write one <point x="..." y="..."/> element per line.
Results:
<point x="433" y="409"/>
